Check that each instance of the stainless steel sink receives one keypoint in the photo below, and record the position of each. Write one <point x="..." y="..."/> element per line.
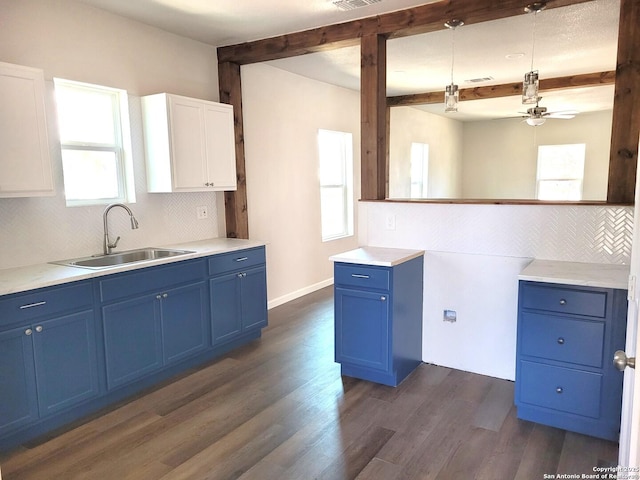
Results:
<point x="122" y="258"/>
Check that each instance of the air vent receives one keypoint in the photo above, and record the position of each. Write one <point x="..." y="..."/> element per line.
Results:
<point x="353" y="4"/>
<point x="479" y="80"/>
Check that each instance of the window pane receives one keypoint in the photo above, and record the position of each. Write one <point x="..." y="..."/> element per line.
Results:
<point x="333" y="212"/>
<point x="570" y="190"/>
<point x="90" y="174"/>
<point x="419" y="169"/>
<point x="561" y="161"/>
<point x="85" y="115"/>
<point x="332" y="157"/>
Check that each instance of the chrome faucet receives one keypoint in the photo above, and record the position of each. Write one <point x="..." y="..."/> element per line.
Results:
<point x="107" y="246"/>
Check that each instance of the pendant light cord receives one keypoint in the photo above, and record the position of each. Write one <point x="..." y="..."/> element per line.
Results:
<point x="533" y="38"/>
<point x="453" y="33"/>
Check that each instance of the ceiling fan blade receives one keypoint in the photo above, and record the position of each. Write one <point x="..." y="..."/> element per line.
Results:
<point x="562" y="116"/>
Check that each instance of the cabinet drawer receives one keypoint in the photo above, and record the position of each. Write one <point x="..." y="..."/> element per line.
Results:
<point x="362" y="276"/>
<point x="152" y="279"/>
<point x="227" y="262"/>
<point x="562" y="339"/>
<point x="559" y="388"/>
<point x="564" y="300"/>
<point x="48" y="301"/>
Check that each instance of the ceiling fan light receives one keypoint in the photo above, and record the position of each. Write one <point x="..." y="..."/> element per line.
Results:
<point x="451" y="96"/>
<point x="530" y="87"/>
<point x="535" y="121"/>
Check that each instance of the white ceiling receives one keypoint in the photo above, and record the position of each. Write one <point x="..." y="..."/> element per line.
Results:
<point x="571" y="40"/>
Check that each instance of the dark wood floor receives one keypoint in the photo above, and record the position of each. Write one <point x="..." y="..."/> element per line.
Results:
<point x="278" y="409"/>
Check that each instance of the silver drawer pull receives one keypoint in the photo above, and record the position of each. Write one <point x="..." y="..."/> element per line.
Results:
<point x="242" y="259"/>
<point x="561" y="341"/>
<point x="383" y="298"/>
<point x="355" y="275"/>
<point x="563" y="301"/>
<point x="558" y="389"/>
<point x="31" y="305"/>
<point x="39" y="329"/>
<point x="28" y="331"/>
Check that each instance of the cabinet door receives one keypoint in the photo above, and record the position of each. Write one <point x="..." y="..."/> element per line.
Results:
<point x="184" y="328"/>
<point x="187" y="144"/>
<point x="225" y="307"/>
<point x="132" y="337"/>
<point x="25" y="164"/>
<point x="65" y="361"/>
<point x="220" y="146"/>
<point x="362" y="328"/>
<point x="18" y="405"/>
<point x="253" y="302"/>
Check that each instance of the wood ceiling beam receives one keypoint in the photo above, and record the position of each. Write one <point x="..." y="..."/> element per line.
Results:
<point x="506" y="89"/>
<point x="412" y="21"/>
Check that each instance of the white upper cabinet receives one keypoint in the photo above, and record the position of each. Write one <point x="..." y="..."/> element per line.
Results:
<point x="189" y="144"/>
<point x="25" y="162"/>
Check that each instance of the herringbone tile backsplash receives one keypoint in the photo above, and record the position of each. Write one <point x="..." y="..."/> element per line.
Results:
<point x="597" y="234"/>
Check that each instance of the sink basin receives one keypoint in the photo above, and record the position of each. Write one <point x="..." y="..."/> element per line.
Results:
<point x="122" y="258"/>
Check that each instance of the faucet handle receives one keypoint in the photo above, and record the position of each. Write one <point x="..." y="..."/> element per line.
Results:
<point x="114" y="244"/>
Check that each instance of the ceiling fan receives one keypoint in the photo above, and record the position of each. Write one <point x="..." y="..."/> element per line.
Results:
<point x="537" y="115"/>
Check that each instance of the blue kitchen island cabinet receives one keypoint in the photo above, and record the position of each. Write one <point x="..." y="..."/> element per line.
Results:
<point x="378" y="313"/>
<point x="567" y="336"/>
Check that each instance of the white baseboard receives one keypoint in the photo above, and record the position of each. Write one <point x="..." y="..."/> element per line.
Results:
<point x="298" y="293"/>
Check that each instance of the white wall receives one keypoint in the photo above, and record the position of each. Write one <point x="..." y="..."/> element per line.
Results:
<point x="500" y="156"/>
<point x="473" y="256"/>
<point x="70" y="40"/>
<point x="444" y="137"/>
<point x="282" y="115"/>
<point x="493" y="158"/>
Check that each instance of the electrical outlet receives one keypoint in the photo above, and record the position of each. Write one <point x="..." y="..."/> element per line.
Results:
<point x="450" y="316"/>
<point x="202" y="212"/>
<point x="390" y="222"/>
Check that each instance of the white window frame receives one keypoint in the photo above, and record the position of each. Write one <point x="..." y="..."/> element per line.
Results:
<point x="346" y="187"/>
<point x="121" y="147"/>
<point x="419" y="156"/>
<point x="547" y="153"/>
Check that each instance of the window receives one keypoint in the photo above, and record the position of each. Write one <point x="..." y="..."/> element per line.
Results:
<point x="336" y="183"/>
<point x="95" y="142"/>
<point x="419" y="169"/>
<point x="560" y="172"/>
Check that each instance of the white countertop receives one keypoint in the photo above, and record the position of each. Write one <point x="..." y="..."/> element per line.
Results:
<point x="20" y="279"/>
<point x="574" y="273"/>
<point x="380" y="256"/>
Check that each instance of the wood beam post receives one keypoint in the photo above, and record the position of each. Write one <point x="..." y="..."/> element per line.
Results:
<point x="623" y="159"/>
<point x="235" y="202"/>
<point x="373" y="114"/>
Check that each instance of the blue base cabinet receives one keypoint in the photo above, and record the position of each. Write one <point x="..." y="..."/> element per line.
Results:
<point x="151" y="318"/>
<point x="47" y="353"/>
<point x="567" y="336"/>
<point x="67" y="351"/>
<point x="378" y="320"/>
<point x="238" y="292"/>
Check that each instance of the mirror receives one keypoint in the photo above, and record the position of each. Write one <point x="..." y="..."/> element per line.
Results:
<point x="486" y="150"/>
<point x="501" y="163"/>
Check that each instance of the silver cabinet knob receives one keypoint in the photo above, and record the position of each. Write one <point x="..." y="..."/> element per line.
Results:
<point x="563" y="301"/>
<point x="28" y="331"/>
<point x="561" y="341"/>
<point x="383" y="298"/>
<point x="559" y="390"/>
<point x="158" y="297"/>
<point x="39" y="328"/>
<point x="165" y="295"/>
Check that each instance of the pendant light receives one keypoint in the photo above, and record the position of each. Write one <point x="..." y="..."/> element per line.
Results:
<point x="530" y="85"/>
<point x="451" y="93"/>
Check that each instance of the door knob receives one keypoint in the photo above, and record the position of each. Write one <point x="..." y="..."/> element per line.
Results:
<point x="620" y="360"/>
